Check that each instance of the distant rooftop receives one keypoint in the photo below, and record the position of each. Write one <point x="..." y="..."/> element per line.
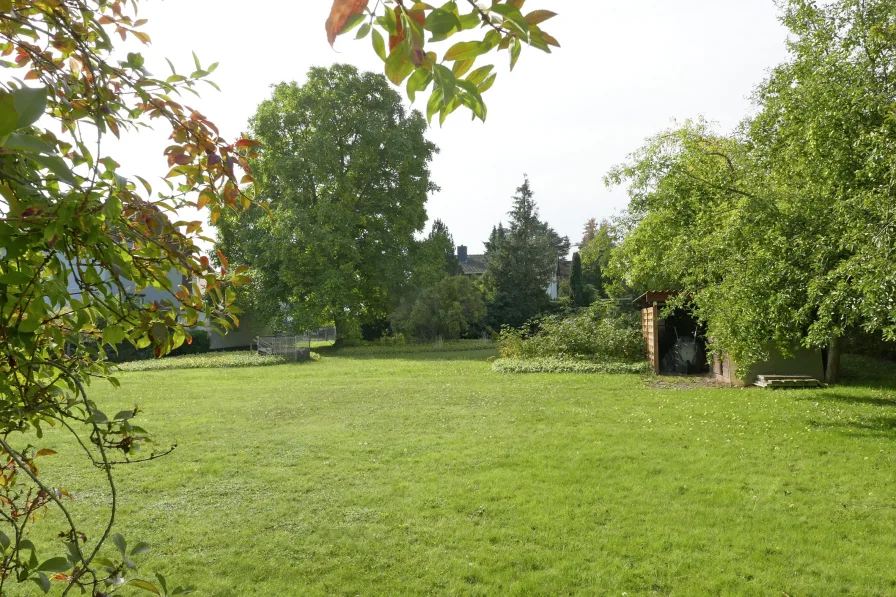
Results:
<point x="473" y="265"/>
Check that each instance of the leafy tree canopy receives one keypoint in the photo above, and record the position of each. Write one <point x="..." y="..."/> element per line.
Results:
<point x="597" y="246"/>
<point x="448" y="310"/>
<point x="345" y="174"/>
<point x="782" y="231"/>
<point x="433" y="258"/>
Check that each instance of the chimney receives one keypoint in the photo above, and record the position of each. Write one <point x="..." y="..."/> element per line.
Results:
<point x="462" y="254"/>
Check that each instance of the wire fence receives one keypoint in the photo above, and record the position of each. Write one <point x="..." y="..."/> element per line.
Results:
<point x="292" y="348"/>
<point x="326" y="334"/>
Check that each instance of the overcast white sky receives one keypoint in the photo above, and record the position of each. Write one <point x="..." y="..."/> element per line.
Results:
<point x="626" y="70"/>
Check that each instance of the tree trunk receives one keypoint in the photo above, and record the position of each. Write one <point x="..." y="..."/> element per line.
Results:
<point x="832" y="364"/>
<point x="339" y="324"/>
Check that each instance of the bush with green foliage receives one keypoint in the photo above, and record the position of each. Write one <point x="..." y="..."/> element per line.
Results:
<point x="216" y="360"/>
<point x="553" y="365"/>
<point x="451" y="309"/>
<point x="600" y="333"/>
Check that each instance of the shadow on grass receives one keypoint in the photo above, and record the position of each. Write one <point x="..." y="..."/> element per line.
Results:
<point x="854" y="399"/>
<point x="859" y="375"/>
<point x="868" y="372"/>
<point x="884" y="426"/>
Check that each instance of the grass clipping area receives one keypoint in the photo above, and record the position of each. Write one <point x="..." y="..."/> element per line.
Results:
<point x="555" y="365"/>
<point x="212" y="360"/>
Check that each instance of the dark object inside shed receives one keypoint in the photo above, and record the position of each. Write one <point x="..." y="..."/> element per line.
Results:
<point x="676" y="342"/>
<point x="682" y="345"/>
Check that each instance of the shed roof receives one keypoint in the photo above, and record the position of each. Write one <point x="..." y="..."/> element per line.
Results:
<point x="659" y="297"/>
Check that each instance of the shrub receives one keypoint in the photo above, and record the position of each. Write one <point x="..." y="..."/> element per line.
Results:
<point x="451" y="309"/>
<point x="600" y="333"/>
<point x="205" y="361"/>
<point x="553" y="365"/>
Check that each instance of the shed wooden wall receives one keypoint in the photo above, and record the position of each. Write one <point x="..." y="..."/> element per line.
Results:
<point x="650" y="321"/>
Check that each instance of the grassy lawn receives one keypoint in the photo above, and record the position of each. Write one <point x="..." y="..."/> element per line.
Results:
<point x="430" y="474"/>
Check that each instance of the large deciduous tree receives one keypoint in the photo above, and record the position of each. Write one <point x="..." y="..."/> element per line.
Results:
<point x="521" y="260"/>
<point x="345" y="175"/>
<point x="783" y="232"/>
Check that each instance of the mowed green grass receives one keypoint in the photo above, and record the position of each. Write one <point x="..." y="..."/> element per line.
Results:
<point x="432" y="475"/>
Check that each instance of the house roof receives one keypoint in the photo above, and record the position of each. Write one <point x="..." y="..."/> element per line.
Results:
<point x="474" y="265"/>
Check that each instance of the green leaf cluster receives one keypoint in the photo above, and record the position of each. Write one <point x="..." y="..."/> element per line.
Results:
<point x="451" y="309"/>
<point x="456" y="81"/>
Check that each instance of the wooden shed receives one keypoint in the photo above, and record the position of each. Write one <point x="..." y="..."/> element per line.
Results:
<point x="675" y="341"/>
<point x="663" y="334"/>
<point x="650" y="304"/>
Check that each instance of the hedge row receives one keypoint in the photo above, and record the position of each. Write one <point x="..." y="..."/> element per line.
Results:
<point x="554" y="365"/>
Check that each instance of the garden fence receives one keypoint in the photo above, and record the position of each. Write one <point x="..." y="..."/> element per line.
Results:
<point x="292" y="348"/>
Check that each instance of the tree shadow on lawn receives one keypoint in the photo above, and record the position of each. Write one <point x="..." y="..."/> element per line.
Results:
<point x="881" y="426"/>
<point x="866" y="381"/>
<point x="859" y="375"/>
<point x="844" y="395"/>
<point x="868" y="372"/>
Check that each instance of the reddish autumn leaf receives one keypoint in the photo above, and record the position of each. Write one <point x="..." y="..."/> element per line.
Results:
<point x="419" y="17"/>
<point x="341" y="12"/>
